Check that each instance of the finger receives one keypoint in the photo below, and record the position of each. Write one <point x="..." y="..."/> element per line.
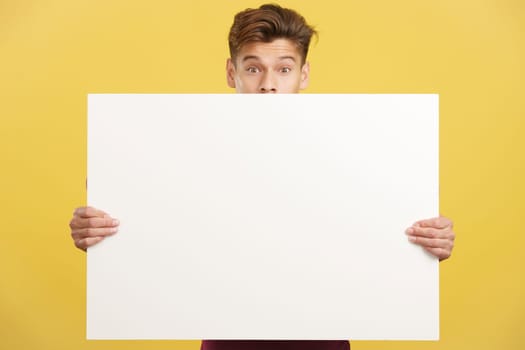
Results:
<point x="424" y="232"/>
<point x="439" y="222"/>
<point x="431" y="242"/>
<point x="440" y="253"/>
<point x="89" y="212"/>
<point x="431" y="233"/>
<point x="418" y="231"/>
<point x="93" y="222"/>
<point x="93" y="232"/>
<point x="87" y="242"/>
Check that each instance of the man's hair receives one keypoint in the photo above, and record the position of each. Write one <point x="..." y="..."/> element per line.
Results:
<point x="267" y="23"/>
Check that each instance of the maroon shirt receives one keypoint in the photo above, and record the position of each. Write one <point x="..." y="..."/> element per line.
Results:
<point x="275" y="345"/>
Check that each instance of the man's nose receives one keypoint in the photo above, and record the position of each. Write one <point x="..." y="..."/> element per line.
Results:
<point x="268" y="84"/>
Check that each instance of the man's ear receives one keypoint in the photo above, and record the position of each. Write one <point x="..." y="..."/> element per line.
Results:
<point x="230" y="73"/>
<point x="305" y="76"/>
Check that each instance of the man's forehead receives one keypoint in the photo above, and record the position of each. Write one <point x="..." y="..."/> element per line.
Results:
<point x="277" y="49"/>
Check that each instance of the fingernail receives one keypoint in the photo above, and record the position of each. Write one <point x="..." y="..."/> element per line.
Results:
<point x="113" y="230"/>
<point x="116" y="222"/>
<point x="409" y="230"/>
<point x="412" y="239"/>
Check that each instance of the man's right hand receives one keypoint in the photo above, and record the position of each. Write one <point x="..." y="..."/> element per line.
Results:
<point x="90" y="226"/>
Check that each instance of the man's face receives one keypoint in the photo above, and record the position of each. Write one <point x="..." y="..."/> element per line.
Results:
<point x="273" y="67"/>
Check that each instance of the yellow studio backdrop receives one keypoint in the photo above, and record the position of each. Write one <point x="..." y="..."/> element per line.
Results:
<point x="53" y="53"/>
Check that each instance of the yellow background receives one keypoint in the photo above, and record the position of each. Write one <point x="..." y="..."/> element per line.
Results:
<point x="52" y="53"/>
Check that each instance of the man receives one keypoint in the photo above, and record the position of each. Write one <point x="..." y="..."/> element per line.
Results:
<point x="268" y="48"/>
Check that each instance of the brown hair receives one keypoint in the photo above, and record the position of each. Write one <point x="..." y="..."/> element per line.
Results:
<point x="267" y="23"/>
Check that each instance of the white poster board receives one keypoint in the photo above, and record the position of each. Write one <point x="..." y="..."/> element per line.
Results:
<point x="263" y="216"/>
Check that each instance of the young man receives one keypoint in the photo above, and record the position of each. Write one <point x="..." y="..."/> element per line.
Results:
<point x="268" y="48"/>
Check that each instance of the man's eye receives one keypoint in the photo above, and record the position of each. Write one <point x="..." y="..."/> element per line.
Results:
<point x="286" y="70"/>
<point x="252" y="70"/>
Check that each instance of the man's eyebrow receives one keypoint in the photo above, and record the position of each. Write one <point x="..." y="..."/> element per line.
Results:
<point x="250" y="57"/>
<point x="253" y="57"/>
<point x="287" y="57"/>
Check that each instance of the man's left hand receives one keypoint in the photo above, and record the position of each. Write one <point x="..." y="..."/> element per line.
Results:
<point x="434" y="235"/>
